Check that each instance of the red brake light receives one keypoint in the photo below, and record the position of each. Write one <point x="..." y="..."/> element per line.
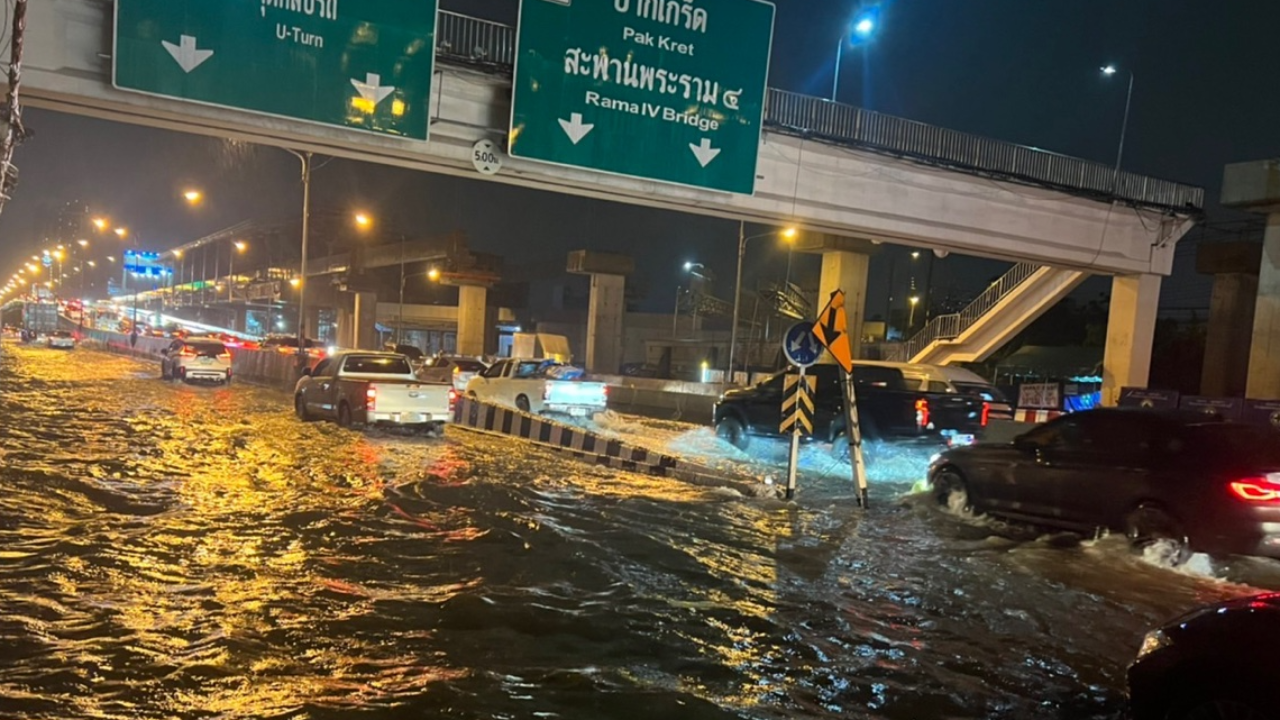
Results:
<point x="371" y="398"/>
<point x="188" y="351"/>
<point x="453" y="398"/>
<point x="1256" y="489"/>
<point x="922" y="413"/>
<point x="986" y="413"/>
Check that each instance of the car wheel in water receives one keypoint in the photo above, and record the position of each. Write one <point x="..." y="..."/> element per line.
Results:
<point x="522" y="404"/>
<point x="1150" y="528"/>
<point x="951" y="491"/>
<point x="300" y="409"/>
<point x="344" y="415"/>
<point x="732" y="431"/>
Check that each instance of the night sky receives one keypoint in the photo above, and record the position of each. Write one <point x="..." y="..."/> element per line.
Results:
<point x="1020" y="70"/>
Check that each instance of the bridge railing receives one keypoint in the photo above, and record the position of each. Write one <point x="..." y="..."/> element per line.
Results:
<point x="467" y="40"/>
<point x="952" y="325"/>
<point x="462" y="38"/>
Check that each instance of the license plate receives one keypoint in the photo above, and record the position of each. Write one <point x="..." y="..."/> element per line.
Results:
<point x="577" y="412"/>
<point x="205" y="360"/>
<point x="961" y="440"/>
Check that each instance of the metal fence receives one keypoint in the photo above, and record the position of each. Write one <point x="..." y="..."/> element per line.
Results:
<point x="472" y="41"/>
<point x="952" y="325"/>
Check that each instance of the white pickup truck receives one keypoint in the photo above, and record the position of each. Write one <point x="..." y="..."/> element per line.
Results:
<point x="538" y="387"/>
<point x="372" y="388"/>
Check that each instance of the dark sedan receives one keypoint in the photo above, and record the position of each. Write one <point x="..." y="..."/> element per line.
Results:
<point x="1216" y="663"/>
<point x="1205" y="486"/>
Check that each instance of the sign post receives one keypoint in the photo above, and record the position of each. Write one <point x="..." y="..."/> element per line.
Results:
<point x="802" y="350"/>
<point x="668" y="91"/>
<point x="365" y="65"/>
<point x="832" y="331"/>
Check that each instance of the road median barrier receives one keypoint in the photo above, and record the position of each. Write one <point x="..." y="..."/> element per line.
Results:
<point x="595" y="449"/>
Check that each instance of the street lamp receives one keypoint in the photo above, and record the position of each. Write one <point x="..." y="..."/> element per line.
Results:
<point x="433" y="274"/>
<point x="363" y="221"/>
<point x="100" y="223"/>
<point x="789" y="234"/>
<point x="122" y="233"/>
<point x="863" y="27"/>
<point x="193" y="196"/>
<point x="1109" y="71"/>
<point x="911" y="318"/>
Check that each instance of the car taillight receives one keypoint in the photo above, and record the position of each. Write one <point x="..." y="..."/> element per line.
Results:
<point x="453" y="398"/>
<point x="986" y="413"/>
<point x="1256" y="489"/>
<point x="225" y="357"/>
<point x="188" y="352"/>
<point x="922" y="413"/>
<point x="371" y="399"/>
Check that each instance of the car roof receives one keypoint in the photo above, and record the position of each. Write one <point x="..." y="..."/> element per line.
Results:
<point x="1186" y="418"/>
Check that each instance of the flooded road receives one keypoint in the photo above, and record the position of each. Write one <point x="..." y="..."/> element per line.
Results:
<point x="168" y="551"/>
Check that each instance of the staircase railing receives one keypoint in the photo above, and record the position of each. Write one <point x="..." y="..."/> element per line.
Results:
<point x="953" y="325"/>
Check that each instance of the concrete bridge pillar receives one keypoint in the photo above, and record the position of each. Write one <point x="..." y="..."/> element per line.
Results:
<point x="1131" y="330"/>
<point x="608" y="305"/>
<point x="844" y="267"/>
<point x="357" y="322"/>
<point x="847" y="271"/>
<point x="1264" y="358"/>
<point x="1255" y="187"/>
<point x="472" y="314"/>
<point x="1234" y="267"/>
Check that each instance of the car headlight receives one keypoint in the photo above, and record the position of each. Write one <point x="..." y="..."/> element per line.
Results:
<point x="1154" y="641"/>
<point x="937" y="458"/>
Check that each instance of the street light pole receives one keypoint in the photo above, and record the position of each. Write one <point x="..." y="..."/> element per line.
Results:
<point x="737" y="294"/>
<point x="835" y="84"/>
<point x="305" y="159"/>
<point x="1124" y="128"/>
<point x="1110" y="70"/>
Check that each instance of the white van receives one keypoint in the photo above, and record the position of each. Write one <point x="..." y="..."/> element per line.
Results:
<point x="948" y="379"/>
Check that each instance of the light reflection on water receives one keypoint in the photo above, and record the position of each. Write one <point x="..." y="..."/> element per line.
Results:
<point x="169" y="551"/>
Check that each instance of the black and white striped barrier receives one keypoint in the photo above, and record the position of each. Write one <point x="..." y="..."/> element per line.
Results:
<point x="590" y="447"/>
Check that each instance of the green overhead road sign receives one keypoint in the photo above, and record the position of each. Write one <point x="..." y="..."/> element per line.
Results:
<point x="670" y="91"/>
<point x="366" y="65"/>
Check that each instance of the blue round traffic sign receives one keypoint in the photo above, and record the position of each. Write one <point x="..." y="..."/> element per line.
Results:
<point x="47" y="260"/>
<point x="800" y="346"/>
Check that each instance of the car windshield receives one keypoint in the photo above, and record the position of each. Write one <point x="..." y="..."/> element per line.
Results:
<point x="377" y="365"/>
<point x="62" y="334"/>
<point x="469" y="366"/>
<point x="986" y="392"/>
<point x="1257" y="447"/>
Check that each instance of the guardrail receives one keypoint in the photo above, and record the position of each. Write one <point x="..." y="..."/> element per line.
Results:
<point x="952" y="325"/>
<point x="472" y="41"/>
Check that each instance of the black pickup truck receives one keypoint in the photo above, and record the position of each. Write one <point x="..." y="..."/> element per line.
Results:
<point x="886" y="408"/>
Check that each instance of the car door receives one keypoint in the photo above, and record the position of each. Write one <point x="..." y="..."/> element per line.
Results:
<point x="1101" y="481"/>
<point x="1047" y="460"/>
<point x="483" y="389"/>
<point x="319" y="393"/>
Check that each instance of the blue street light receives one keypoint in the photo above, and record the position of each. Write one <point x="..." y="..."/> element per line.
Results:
<point x="864" y="26"/>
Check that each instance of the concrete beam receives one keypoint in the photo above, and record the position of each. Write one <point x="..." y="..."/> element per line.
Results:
<point x="819" y="187"/>
<point x="1253" y="186"/>
<point x="590" y="262"/>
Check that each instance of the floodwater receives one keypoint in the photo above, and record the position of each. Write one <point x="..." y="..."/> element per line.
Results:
<point x="168" y="551"/>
